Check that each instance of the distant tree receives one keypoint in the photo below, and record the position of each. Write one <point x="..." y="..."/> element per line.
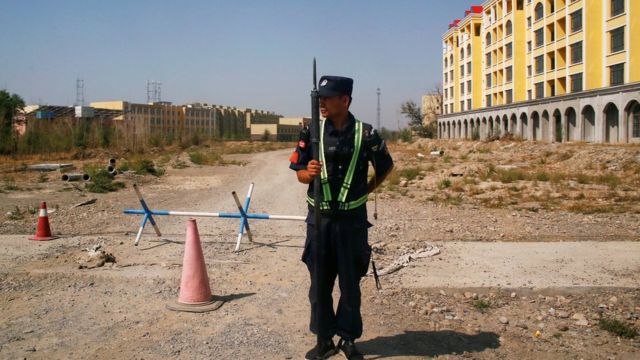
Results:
<point x="266" y="135"/>
<point x="413" y="112"/>
<point x="9" y="105"/>
<point x="433" y="108"/>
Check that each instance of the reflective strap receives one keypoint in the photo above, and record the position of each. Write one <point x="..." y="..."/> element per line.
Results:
<point x="352" y="165"/>
<point x="342" y="206"/>
<point x="324" y="177"/>
<point x="323" y="205"/>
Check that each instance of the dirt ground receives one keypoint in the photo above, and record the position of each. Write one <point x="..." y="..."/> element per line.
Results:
<point x="510" y="281"/>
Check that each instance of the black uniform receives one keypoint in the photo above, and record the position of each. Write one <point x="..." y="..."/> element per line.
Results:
<point x="346" y="251"/>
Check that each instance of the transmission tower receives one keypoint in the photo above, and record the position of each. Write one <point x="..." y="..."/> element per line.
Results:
<point x="154" y="91"/>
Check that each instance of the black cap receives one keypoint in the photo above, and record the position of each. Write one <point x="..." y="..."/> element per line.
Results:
<point x="335" y="86"/>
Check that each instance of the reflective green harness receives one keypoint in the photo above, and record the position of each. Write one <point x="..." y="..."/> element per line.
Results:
<point x="346" y="184"/>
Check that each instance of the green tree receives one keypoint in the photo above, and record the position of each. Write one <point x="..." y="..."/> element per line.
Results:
<point x="9" y="105"/>
<point x="413" y="112"/>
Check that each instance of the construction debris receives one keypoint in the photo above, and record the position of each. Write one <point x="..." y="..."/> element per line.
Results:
<point x="49" y="167"/>
<point x="95" y="257"/>
<point x="405" y="259"/>
<point x="87" y="202"/>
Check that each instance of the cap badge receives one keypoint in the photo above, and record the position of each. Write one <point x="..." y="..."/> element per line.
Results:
<point x="324" y="82"/>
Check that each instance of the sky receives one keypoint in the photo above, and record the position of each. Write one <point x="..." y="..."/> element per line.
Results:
<point x="250" y="54"/>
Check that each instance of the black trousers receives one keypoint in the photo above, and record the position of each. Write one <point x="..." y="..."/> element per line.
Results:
<point x="346" y="254"/>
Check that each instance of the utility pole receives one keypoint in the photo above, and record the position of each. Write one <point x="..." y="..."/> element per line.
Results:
<point x="79" y="92"/>
<point x="378" y="92"/>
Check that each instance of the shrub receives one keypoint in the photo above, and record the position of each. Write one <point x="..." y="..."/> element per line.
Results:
<point x="409" y="173"/>
<point x="102" y="182"/>
<point x="507" y="176"/>
<point x="444" y="183"/>
<point x="481" y="305"/>
<point x="618" y="328"/>
<point x="200" y="158"/>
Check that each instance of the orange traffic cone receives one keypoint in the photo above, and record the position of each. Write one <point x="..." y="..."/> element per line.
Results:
<point x="43" y="231"/>
<point x="195" y="293"/>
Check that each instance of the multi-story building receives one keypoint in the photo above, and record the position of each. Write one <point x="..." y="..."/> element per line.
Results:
<point x="280" y="129"/>
<point x="163" y="119"/>
<point x="431" y="108"/>
<point x="551" y="70"/>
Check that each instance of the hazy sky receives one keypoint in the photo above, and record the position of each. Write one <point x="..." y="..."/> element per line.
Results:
<point x="255" y="54"/>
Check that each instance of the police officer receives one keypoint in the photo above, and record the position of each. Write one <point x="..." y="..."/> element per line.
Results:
<point x="347" y="145"/>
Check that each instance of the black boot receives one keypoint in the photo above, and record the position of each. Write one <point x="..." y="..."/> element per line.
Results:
<point x="322" y="350"/>
<point x="349" y="350"/>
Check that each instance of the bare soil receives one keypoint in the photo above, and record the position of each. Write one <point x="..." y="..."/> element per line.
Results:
<point x="511" y="281"/>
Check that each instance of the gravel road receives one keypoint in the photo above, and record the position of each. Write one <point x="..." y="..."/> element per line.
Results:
<point x="51" y="309"/>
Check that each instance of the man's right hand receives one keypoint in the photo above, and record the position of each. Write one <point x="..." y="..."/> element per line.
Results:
<point x="314" y="167"/>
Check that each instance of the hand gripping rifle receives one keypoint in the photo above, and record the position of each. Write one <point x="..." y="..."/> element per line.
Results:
<point x="318" y="248"/>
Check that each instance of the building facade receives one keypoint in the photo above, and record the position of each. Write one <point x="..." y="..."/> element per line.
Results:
<point x="552" y="70"/>
<point x="141" y="121"/>
<point x="431" y="108"/>
<point x="280" y="129"/>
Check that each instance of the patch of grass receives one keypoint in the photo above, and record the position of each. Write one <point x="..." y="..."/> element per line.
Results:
<point x="488" y="172"/>
<point x="409" y="173"/>
<point x="205" y="158"/>
<point x="454" y="200"/>
<point x="618" y="328"/>
<point x="102" y="182"/>
<point x="542" y="176"/>
<point x="144" y="166"/>
<point x="43" y="178"/>
<point x="444" y="183"/>
<point x="583" y="179"/>
<point x="469" y="180"/>
<point x="565" y="155"/>
<point x="588" y="208"/>
<point x="124" y="166"/>
<point x="611" y="180"/>
<point x="483" y="150"/>
<point x="447" y="159"/>
<point x="457" y="186"/>
<point x="481" y="305"/>
<point x="179" y="164"/>
<point x="474" y="190"/>
<point x="92" y="168"/>
<point x="11" y="187"/>
<point x="507" y="176"/>
<point x="33" y="209"/>
<point x="16" y="214"/>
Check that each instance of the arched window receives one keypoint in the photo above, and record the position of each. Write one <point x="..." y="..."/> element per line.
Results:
<point x="539" y="11"/>
<point x="451" y="59"/>
<point x="509" y="28"/>
<point x="488" y="39"/>
<point x="635" y="120"/>
<point x="445" y="62"/>
<point x="469" y="50"/>
<point x="461" y="53"/>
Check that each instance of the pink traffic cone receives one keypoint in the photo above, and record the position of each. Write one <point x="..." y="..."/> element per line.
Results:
<point x="195" y="292"/>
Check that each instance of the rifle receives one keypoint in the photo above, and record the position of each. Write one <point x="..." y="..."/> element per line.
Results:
<point x="315" y="141"/>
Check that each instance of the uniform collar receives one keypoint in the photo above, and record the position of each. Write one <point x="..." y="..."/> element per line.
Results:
<point x="351" y="121"/>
